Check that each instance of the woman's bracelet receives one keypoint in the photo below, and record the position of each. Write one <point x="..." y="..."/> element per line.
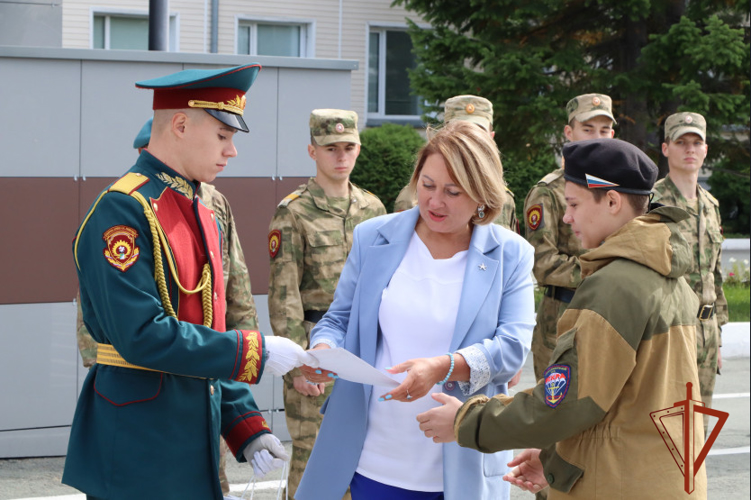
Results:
<point x="451" y="369"/>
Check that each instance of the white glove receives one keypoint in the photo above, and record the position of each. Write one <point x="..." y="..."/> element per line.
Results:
<point x="265" y="453"/>
<point x="285" y="355"/>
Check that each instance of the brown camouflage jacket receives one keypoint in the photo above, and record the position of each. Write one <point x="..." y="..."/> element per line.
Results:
<point x="241" y="309"/>
<point x="309" y="241"/>
<point x="703" y="230"/>
<point x="557" y="249"/>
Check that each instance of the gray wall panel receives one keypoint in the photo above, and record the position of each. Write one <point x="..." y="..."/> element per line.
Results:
<point x="302" y="91"/>
<point x="41" y="362"/>
<point x="31" y="23"/>
<point x="113" y="111"/>
<point x="39" y="129"/>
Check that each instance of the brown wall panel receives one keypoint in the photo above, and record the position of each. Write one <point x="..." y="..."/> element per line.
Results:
<point x="39" y="219"/>
<point x="253" y="201"/>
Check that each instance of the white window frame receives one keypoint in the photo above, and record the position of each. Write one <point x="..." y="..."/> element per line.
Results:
<point x="174" y="24"/>
<point x="307" y="32"/>
<point x="380" y="115"/>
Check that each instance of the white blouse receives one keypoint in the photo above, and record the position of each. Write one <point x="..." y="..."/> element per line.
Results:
<point x="417" y="318"/>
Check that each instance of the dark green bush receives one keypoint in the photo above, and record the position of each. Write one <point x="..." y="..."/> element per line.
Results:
<point x="386" y="160"/>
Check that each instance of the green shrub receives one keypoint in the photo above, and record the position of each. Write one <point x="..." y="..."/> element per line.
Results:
<point x="386" y="161"/>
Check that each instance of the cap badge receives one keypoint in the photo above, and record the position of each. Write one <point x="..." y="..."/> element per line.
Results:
<point x="339" y="128"/>
<point x="595" y="182"/>
<point x="470" y="108"/>
<point x="236" y="105"/>
<point x="688" y="119"/>
<point x="596" y="101"/>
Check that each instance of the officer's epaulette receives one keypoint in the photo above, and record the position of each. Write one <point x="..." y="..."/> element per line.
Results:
<point x="552" y="176"/>
<point x="293" y="195"/>
<point x="128" y="183"/>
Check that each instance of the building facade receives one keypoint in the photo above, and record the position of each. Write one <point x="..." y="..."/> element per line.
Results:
<point x="368" y="31"/>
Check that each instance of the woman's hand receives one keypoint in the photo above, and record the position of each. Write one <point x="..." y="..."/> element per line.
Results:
<point x="422" y="375"/>
<point x="318" y="375"/>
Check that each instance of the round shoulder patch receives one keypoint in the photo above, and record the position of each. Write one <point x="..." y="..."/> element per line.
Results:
<point x="534" y="216"/>
<point x="275" y="242"/>
<point x="556" y="379"/>
<point x="122" y="251"/>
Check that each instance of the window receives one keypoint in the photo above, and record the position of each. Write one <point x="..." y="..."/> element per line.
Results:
<point x="126" y="31"/>
<point x="269" y="38"/>
<point x="389" y="58"/>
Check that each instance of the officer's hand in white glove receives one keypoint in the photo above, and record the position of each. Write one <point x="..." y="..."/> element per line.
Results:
<point x="285" y="355"/>
<point x="265" y="453"/>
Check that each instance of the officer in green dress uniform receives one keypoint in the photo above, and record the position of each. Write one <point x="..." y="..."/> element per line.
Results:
<point x="169" y="378"/>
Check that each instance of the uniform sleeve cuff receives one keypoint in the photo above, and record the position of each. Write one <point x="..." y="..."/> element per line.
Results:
<point x="249" y="361"/>
<point x="244" y="429"/>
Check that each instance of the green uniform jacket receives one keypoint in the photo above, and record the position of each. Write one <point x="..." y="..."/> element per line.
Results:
<point x="314" y="239"/>
<point x="703" y="230"/>
<point x="625" y="349"/>
<point x="154" y="434"/>
<point x="241" y="308"/>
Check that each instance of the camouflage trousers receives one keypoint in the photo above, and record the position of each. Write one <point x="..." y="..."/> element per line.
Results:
<point x="707" y="351"/>
<point x="544" y="334"/>
<point x="223" y="450"/>
<point x="304" y="418"/>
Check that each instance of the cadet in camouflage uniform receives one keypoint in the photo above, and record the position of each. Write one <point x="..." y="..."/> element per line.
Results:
<point x="241" y="308"/>
<point x="557" y="250"/>
<point x="309" y="240"/>
<point x="685" y="148"/>
<point x="477" y="110"/>
<point x="625" y="349"/>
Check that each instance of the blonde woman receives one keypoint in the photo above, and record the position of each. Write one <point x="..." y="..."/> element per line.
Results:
<point x="443" y="299"/>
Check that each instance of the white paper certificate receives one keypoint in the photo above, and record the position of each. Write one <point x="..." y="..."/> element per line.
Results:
<point x="349" y="367"/>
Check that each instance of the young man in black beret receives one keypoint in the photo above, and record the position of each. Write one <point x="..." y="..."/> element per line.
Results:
<point x="625" y="349"/>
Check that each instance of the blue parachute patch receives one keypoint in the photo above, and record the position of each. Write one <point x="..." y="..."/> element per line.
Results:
<point x="557" y="378"/>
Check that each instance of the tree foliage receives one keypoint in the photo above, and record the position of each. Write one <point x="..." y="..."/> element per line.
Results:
<point x="529" y="57"/>
<point x="386" y="161"/>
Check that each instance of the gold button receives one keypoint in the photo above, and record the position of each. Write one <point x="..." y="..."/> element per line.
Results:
<point x="212" y="215"/>
<point x="155" y="207"/>
<point x="211" y="253"/>
<point x="138" y="175"/>
<point x="211" y="389"/>
<point x="216" y="297"/>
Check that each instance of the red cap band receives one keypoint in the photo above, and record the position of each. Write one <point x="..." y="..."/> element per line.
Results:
<point x="179" y="98"/>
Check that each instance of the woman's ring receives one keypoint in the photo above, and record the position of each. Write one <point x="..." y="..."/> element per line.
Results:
<point x="408" y="396"/>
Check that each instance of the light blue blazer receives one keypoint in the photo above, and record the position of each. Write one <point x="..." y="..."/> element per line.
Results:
<point x="496" y="314"/>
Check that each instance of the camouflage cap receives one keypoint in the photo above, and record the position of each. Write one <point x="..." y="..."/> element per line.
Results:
<point x="679" y="124"/>
<point x="587" y="106"/>
<point x="470" y="108"/>
<point x="328" y="126"/>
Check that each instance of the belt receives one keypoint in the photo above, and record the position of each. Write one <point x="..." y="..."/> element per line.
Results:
<point x="314" y="316"/>
<point x="706" y="312"/>
<point x="107" y="355"/>
<point x="560" y="293"/>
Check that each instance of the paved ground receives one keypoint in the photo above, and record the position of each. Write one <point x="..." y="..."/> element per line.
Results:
<point x="727" y="464"/>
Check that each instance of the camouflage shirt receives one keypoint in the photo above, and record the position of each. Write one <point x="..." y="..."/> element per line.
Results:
<point x="557" y="249"/>
<point x="241" y="309"/>
<point x="309" y="241"/>
<point x="704" y="234"/>
<point x="507" y="218"/>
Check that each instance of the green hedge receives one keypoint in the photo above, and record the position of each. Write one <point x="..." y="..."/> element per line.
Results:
<point x="386" y="160"/>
